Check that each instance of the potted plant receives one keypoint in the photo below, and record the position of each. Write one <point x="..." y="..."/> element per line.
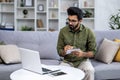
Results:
<point x="26" y="28"/>
<point x="87" y="14"/>
<point x="115" y="21"/>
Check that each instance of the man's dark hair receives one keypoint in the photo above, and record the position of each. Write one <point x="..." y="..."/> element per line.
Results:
<point x="75" y="11"/>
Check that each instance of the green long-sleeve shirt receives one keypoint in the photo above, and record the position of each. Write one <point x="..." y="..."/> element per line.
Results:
<point x="83" y="39"/>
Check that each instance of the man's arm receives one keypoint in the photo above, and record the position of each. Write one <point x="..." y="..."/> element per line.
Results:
<point x="91" y="47"/>
<point x="91" y="44"/>
<point x="60" y="45"/>
<point x="88" y="54"/>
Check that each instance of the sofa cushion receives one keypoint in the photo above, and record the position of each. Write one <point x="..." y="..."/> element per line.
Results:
<point x="6" y="70"/>
<point x="107" y="51"/>
<point x="9" y="53"/>
<point x="48" y="51"/>
<point x="48" y="43"/>
<point x="106" y="71"/>
<point x="117" y="57"/>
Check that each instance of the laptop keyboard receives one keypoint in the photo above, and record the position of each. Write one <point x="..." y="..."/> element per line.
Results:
<point x="45" y="70"/>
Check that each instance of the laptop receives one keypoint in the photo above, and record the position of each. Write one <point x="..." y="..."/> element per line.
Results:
<point x="31" y="61"/>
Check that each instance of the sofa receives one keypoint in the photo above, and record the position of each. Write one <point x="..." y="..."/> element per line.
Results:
<point x="45" y="43"/>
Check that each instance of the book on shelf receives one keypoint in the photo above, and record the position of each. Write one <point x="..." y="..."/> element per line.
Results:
<point x="10" y="29"/>
<point x="9" y="25"/>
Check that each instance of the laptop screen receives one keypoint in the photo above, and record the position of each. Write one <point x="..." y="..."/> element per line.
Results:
<point x="31" y="61"/>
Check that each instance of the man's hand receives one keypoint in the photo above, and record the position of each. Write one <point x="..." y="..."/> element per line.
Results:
<point x="77" y="53"/>
<point x="67" y="47"/>
<point x="83" y="54"/>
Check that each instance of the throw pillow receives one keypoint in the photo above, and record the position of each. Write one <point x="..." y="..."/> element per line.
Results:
<point x="0" y="60"/>
<point x="107" y="51"/>
<point x="117" y="56"/>
<point x="9" y="54"/>
<point x="1" y="43"/>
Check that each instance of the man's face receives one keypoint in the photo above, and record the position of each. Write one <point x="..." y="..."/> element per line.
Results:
<point x="73" y="22"/>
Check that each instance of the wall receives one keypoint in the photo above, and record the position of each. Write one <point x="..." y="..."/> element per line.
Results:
<point x="103" y="10"/>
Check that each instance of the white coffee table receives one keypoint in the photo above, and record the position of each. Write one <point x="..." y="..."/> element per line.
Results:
<point x="72" y="74"/>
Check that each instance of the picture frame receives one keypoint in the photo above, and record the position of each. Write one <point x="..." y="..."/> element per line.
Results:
<point x="28" y="3"/>
<point x="40" y="7"/>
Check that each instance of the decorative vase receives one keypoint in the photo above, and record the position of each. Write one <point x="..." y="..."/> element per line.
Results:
<point x="22" y="3"/>
<point x="39" y="23"/>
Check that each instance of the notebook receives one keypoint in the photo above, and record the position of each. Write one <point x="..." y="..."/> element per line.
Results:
<point x="31" y="61"/>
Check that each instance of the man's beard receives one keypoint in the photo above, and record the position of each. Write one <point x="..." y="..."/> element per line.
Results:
<point x="73" y="27"/>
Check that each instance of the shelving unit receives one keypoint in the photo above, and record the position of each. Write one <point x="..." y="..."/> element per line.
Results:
<point x="89" y="5"/>
<point x="44" y="15"/>
<point x="41" y="15"/>
<point x="53" y="16"/>
<point x="21" y="20"/>
<point x="7" y="15"/>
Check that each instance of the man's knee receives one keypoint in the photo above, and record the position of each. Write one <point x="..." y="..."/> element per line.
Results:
<point x="90" y="70"/>
<point x="64" y="64"/>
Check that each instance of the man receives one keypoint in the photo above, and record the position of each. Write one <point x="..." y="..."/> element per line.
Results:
<point x="77" y="36"/>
